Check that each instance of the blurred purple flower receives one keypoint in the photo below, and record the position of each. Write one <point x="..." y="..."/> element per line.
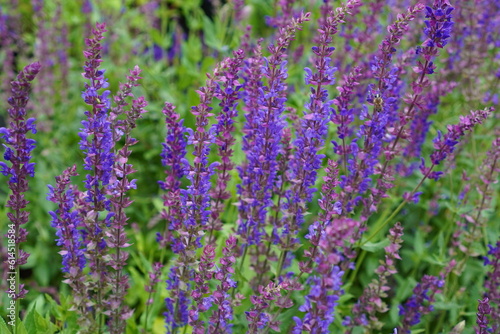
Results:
<point x="439" y="24"/>
<point x="87" y="7"/>
<point x="420" y="303"/>
<point x="483" y="310"/>
<point x="492" y="284"/>
<point x="320" y="303"/>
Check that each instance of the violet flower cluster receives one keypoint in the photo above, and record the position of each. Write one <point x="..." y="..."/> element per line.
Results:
<point x="345" y="114"/>
<point x="320" y="303"/>
<point x="177" y="304"/>
<point x="200" y="288"/>
<point x="314" y="124"/>
<point x="173" y="153"/>
<point x="420" y="125"/>
<point x="97" y="143"/>
<point x="332" y="260"/>
<point x="220" y="321"/>
<point x="265" y="105"/>
<point x="440" y="20"/>
<point x="196" y="198"/>
<point x="363" y="153"/>
<point x="192" y="220"/>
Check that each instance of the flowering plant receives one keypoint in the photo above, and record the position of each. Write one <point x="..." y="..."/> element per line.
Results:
<point x="305" y="191"/>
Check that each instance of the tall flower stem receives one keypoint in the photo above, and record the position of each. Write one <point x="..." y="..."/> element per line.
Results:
<point x="265" y="124"/>
<point x="312" y="131"/>
<point x="68" y="224"/>
<point x="96" y="141"/>
<point x="444" y="145"/>
<point x="438" y="31"/>
<point x="227" y="92"/>
<point x="123" y="121"/>
<point x="18" y="152"/>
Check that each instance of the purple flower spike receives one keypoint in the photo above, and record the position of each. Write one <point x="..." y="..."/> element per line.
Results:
<point x="18" y="149"/>
<point x="445" y="144"/>
<point x="173" y="155"/>
<point x="177" y="304"/>
<point x="227" y="93"/>
<point x="220" y="319"/>
<point x="313" y="127"/>
<point x="330" y="208"/>
<point x="196" y="198"/>
<point x="201" y="304"/>
<point x="262" y="141"/>
<point x="483" y="310"/>
<point x="420" y="303"/>
<point x="345" y="115"/>
<point x="492" y="285"/>
<point x="439" y="24"/>
<point x="96" y="134"/>
<point x="97" y="144"/>
<point x="371" y="302"/>
<point x="123" y="121"/>
<point x="320" y="303"/>
<point x="67" y="221"/>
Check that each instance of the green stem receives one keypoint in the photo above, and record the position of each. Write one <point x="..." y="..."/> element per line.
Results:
<point x="395" y="212"/>
<point x="16" y="321"/>
<point x="240" y="269"/>
<point x="354" y="273"/>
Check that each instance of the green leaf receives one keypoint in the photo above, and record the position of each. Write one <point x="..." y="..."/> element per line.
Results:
<point x="29" y="322"/>
<point x="36" y="324"/>
<point x="209" y="33"/>
<point x="419" y="244"/>
<point x="3" y="327"/>
<point x="53" y="305"/>
<point x="21" y="329"/>
<point x="372" y="247"/>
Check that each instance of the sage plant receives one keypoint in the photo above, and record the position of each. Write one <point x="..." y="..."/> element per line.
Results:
<point x="91" y="224"/>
